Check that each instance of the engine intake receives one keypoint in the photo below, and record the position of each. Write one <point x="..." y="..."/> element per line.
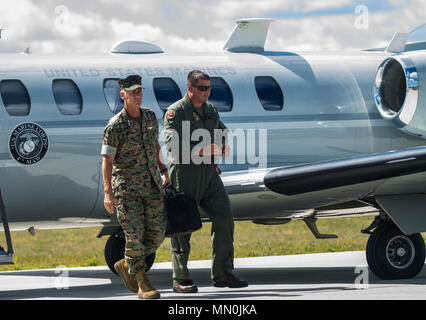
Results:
<point x="396" y="93"/>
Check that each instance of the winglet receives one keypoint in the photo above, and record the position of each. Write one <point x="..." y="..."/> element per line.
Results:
<point x="249" y="35"/>
<point x="398" y="43"/>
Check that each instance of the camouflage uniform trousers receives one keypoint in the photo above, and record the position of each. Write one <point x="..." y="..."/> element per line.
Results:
<point x="143" y="219"/>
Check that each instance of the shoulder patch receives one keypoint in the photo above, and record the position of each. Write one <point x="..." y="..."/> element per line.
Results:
<point x="170" y="114"/>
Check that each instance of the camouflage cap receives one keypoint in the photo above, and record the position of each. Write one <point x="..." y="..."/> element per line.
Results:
<point x="130" y="83"/>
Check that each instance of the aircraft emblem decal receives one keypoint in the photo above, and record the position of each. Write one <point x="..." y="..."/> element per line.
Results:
<point x="28" y="143"/>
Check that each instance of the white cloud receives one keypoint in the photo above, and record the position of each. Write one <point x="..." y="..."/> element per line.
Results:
<point x="20" y="18"/>
<point x="198" y="45"/>
<point x="325" y="4"/>
<point x="96" y="26"/>
<point x="227" y="9"/>
<point x="125" y="29"/>
<point x="340" y="32"/>
<point x="73" y="25"/>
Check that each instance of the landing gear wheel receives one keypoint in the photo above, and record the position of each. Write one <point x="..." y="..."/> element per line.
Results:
<point x="114" y="251"/>
<point x="393" y="255"/>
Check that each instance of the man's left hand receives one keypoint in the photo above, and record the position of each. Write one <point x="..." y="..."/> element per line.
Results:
<point x="165" y="179"/>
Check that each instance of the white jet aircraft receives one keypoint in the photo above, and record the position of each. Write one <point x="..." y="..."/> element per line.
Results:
<point x="315" y="135"/>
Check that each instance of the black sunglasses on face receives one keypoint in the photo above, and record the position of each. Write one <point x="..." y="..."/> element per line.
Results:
<point x="201" y="88"/>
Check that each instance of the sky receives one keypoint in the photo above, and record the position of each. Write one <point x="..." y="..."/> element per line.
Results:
<point x="94" y="26"/>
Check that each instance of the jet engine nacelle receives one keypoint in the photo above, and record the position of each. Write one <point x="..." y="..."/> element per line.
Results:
<point x="397" y="94"/>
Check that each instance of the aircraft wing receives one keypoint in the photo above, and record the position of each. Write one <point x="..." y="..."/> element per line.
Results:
<point x="343" y="172"/>
<point x="394" y="182"/>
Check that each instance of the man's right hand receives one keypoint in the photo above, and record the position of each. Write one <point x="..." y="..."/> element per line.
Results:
<point x="110" y="202"/>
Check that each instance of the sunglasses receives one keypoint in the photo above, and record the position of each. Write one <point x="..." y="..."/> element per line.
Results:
<point x="201" y="88"/>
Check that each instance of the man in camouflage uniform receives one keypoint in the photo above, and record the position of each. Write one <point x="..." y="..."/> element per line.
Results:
<point x="131" y="160"/>
<point x="200" y="181"/>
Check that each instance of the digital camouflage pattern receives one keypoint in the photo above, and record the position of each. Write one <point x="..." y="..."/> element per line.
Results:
<point x="144" y="222"/>
<point x="135" y="152"/>
<point x="136" y="184"/>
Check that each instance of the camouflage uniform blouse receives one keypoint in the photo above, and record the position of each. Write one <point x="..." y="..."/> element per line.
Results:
<point x="135" y="151"/>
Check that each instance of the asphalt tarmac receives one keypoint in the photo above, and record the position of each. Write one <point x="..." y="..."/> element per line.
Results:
<point x="324" y="276"/>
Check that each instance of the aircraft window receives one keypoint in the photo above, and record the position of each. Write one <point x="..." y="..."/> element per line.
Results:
<point x="269" y="93"/>
<point x="220" y="95"/>
<point x="15" y="97"/>
<point x="112" y="95"/>
<point x="67" y="96"/>
<point x="166" y="92"/>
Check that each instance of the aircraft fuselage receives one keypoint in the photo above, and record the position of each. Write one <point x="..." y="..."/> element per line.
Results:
<point x="328" y="113"/>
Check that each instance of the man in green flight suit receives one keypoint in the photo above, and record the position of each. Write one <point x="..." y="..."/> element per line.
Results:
<point x="200" y="180"/>
<point x="131" y="166"/>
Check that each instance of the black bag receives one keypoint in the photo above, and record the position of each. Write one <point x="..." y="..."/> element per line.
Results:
<point x="182" y="213"/>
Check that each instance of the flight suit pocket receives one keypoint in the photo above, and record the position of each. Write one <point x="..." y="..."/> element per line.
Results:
<point x="212" y="121"/>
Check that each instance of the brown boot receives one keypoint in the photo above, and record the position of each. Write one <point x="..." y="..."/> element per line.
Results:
<point x="122" y="269"/>
<point x="146" y="290"/>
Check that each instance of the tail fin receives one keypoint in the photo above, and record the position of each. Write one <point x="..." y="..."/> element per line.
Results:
<point x="398" y="43"/>
<point x="249" y="35"/>
<point x="402" y="42"/>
